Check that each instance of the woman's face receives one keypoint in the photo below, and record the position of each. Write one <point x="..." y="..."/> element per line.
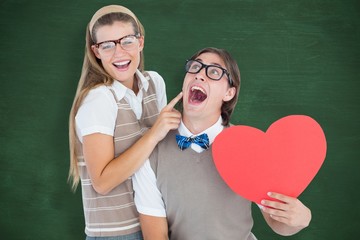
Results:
<point x="119" y="63"/>
<point x="203" y="97"/>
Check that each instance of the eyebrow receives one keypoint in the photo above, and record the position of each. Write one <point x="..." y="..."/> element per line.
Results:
<point x="215" y="64"/>
<point x="115" y="39"/>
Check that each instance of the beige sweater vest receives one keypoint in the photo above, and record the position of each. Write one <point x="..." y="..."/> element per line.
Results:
<point x="115" y="214"/>
<point x="199" y="205"/>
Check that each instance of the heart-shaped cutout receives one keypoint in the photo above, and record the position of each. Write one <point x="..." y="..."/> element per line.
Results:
<point x="284" y="159"/>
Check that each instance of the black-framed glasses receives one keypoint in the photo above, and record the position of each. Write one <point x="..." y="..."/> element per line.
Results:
<point x="213" y="72"/>
<point x="127" y="43"/>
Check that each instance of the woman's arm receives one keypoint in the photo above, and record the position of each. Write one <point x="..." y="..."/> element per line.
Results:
<point x="106" y="172"/>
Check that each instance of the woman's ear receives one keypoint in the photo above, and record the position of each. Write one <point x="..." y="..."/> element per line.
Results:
<point x="141" y="43"/>
<point x="95" y="51"/>
<point x="230" y="93"/>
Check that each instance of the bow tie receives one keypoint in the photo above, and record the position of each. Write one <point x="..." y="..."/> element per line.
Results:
<point x="201" y="140"/>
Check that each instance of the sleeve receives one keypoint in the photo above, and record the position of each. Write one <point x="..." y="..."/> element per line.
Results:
<point x="148" y="198"/>
<point x="97" y="113"/>
<point x="160" y="89"/>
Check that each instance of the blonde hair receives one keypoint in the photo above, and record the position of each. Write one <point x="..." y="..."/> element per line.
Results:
<point x="93" y="73"/>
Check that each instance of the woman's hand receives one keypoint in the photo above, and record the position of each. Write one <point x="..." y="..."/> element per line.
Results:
<point x="168" y="119"/>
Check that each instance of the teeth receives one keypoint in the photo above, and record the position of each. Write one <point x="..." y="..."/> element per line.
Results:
<point x="197" y="88"/>
<point x="122" y="63"/>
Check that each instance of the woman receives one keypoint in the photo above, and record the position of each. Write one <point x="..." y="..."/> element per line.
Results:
<point x="115" y="122"/>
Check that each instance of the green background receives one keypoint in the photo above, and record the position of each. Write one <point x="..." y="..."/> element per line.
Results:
<point x="295" y="57"/>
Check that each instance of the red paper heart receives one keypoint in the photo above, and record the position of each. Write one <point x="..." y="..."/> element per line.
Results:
<point x="285" y="159"/>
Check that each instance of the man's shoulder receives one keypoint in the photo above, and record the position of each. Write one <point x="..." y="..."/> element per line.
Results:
<point x="169" y="137"/>
<point x="168" y="144"/>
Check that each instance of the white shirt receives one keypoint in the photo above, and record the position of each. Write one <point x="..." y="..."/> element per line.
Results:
<point x="148" y="199"/>
<point x="98" y="112"/>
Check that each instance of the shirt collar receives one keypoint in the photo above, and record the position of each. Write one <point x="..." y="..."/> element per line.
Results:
<point x="212" y="131"/>
<point x="120" y="89"/>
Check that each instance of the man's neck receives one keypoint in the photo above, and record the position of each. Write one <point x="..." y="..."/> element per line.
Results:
<point x="198" y="125"/>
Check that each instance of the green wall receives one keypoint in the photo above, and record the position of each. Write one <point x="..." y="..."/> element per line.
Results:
<point x="295" y="57"/>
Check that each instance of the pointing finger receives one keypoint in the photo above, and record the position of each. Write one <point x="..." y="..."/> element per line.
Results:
<point x="173" y="102"/>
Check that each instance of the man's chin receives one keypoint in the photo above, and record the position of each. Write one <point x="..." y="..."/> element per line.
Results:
<point x="194" y="108"/>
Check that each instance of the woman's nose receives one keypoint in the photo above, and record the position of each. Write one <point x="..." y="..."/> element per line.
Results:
<point x="118" y="49"/>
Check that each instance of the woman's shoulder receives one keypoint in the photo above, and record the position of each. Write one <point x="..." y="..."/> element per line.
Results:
<point x="154" y="75"/>
<point x="156" y="78"/>
<point x="100" y="92"/>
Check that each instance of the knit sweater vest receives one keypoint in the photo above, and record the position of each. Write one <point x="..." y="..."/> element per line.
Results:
<point x="114" y="214"/>
<point x="199" y="205"/>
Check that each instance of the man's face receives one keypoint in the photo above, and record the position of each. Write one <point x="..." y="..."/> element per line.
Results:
<point x="202" y="96"/>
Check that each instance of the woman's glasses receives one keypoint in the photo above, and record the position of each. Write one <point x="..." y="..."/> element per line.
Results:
<point x="127" y="43"/>
<point x="212" y="71"/>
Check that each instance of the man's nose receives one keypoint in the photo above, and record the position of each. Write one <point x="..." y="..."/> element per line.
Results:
<point x="201" y="74"/>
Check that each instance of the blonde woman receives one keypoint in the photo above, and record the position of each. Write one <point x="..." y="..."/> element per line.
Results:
<point x="115" y="122"/>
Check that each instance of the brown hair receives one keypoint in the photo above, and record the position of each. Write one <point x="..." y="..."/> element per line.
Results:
<point x="231" y="65"/>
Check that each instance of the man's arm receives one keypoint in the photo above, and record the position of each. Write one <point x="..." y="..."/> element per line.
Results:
<point x="287" y="215"/>
<point x="154" y="228"/>
<point x="149" y="203"/>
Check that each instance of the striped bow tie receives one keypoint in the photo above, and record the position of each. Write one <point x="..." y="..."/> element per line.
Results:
<point x="201" y="140"/>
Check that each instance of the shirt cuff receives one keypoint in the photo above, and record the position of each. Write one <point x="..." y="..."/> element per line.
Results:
<point x="151" y="211"/>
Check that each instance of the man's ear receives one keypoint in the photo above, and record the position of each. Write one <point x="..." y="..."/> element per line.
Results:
<point x="95" y="51"/>
<point x="229" y="94"/>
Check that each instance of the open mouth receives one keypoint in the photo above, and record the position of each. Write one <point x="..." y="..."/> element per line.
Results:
<point x="122" y="65"/>
<point x="197" y="95"/>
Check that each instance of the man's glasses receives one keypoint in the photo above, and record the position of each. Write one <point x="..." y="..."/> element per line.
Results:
<point x="127" y="43"/>
<point x="212" y="71"/>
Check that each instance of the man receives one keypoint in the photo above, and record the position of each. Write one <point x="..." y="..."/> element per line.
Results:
<point x="178" y="192"/>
